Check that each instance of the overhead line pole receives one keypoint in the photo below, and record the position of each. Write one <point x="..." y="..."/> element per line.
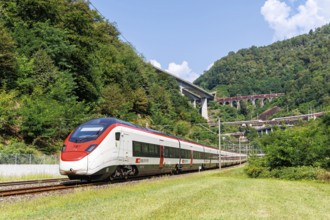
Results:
<point x="219" y="123"/>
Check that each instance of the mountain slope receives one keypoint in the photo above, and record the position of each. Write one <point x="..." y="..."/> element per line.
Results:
<point x="299" y="67"/>
<point x="62" y="64"/>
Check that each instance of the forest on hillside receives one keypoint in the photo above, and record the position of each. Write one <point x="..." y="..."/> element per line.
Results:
<point x="61" y="64"/>
<point x="299" y="152"/>
<point x="298" y="67"/>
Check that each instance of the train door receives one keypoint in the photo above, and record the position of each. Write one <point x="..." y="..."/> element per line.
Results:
<point x="161" y="155"/>
<point x="126" y="144"/>
<point x="114" y="147"/>
<point x="118" y="145"/>
<point x="180" y="157"/>
<point x="204" y="158"/>
<point x="122" y="144"/>
<point x="191" y="157"/>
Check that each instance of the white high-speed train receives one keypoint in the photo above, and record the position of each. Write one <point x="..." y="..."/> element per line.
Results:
<point x="108" y="148"/>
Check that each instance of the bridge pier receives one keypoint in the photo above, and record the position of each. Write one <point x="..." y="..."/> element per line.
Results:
<point x="194" y="103"/>
<point x="262" y="103"/>
<point x="181" y="89"/>
<point x="238" y="105"/>
<point x="193" y="92"/>
<point x="195" y="99"/>
<point x="204" y="109"/>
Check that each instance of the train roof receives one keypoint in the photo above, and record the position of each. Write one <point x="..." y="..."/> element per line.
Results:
<point x="111" y="121"/>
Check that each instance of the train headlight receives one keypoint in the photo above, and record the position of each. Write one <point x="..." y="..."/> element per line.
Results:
<point x="91" y="148"/>
<point x="63" y="148"/>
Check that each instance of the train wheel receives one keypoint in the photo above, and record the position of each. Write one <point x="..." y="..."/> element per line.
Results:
<point x="177" y="169"/>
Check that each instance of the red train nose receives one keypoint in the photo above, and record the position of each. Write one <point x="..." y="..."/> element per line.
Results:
<point x="73" y="155"/>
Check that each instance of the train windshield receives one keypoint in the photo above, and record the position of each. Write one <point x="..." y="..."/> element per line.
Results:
<point x="86" y="133"/>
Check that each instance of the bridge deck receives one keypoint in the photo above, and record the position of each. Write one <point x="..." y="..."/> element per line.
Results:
<point x="249" y="97"/>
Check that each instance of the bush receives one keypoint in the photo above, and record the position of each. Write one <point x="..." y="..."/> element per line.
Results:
<point x="256" y="171"/>
<point x="324" y="176"/>
<point x="17" y="148"/>
<point x="296" y="173"/>
<point x="256" y="167"/>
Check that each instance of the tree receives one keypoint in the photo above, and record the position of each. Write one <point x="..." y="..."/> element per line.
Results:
<point x="8" y="115"/>
<point x="300" y="146"/>
<point x="140" y="102"/>
<point x="7" y="59"/>
<point x="38" y="10"/>
<point x="44" y="72"/>
<point x="113" y="102"/>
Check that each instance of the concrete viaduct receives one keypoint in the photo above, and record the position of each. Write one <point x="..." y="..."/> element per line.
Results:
<point x="252" y="98"/>
<point x="200" y="96"/>
<point x="193" y="92"/>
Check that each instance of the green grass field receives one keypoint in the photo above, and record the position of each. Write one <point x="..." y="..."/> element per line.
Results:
<point x="207" y="195"/>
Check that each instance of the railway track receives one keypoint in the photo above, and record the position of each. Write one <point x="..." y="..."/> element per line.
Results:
<point x="60" y="186"/>
<point x="30" y="182"/>
<point x="47" y="188"/>
<point x="54" y="185"/>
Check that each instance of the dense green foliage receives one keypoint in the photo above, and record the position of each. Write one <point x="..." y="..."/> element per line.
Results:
<point x="298" y="67"/>
<point x="62" y="64"/>
<point x="295" y="152"/>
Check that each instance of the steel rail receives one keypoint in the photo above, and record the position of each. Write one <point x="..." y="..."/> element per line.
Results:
<point x="40" y="189"/>
<point x="30" y="182"/>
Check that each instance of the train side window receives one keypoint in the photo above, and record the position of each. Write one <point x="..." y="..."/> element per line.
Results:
<point x="151" y="150"/>
<point x="196" y="155"/>
<point x="136" y="148"/>
<point x="145" y="150"/>
<point x="177" y="153"/>
<point x="185" y="154"/>
<point x="174" y="153"/>
<point x="166" y="153"/>
<point x="157" y="150"/>
<point x="117" y="134"/>
<point x="171" y="152"/>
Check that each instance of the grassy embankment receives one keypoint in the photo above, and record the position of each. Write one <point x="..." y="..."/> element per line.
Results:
<point x="207" y="195"/>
